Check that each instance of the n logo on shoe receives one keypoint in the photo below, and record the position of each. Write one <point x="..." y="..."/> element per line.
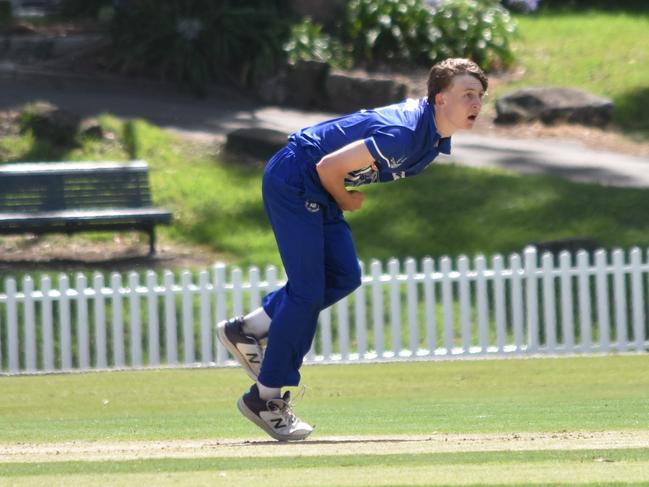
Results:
<point x="278" y="423"/>
<point x="253" y="358"/>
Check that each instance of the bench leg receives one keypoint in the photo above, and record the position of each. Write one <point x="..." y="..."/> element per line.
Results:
<point x="151" y="240"/>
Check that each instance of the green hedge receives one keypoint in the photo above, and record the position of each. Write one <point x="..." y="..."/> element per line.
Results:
<point x="412" y="32"/>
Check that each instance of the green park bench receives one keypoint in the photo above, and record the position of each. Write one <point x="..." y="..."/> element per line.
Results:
<point x="74" y="197"/>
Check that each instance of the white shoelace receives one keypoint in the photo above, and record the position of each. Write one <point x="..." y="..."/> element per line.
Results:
<point x="285" y="408"/>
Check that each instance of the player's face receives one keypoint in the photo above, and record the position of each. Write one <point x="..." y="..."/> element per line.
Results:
<point x="462" y="101"/>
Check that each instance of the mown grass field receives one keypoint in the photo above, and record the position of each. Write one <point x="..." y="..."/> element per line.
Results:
<point x="600" y="52"/>
<point x="447" y="210"/>
<point x="380" y="409"/>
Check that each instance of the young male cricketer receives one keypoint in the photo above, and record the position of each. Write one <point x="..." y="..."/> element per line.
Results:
<point x="305" y="193"/>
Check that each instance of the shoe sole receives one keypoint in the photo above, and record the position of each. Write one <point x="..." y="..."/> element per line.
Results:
<point x="262" y="424"/>
<point x="234" y="351"/>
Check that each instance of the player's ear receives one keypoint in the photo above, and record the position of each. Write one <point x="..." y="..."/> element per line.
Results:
<point x="440" y="99"/>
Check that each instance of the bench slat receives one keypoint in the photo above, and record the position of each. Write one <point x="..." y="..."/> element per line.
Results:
<point x="75" y="197"/>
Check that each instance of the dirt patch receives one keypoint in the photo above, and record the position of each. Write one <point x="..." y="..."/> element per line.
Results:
<point x="318" y="446"/>
<point x="124" y="251"/>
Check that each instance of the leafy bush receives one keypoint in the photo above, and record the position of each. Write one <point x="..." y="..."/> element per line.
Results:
<point x="390" y="30"/>
<point x="308" y="42"/>
<point x="477" y="29"/>
<point x="422" y="33"/>
<point x="195" y="42"/>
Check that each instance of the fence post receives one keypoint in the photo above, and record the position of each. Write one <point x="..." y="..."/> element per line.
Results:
<point x="205" y="313"/>
<point x="30" y="325"/>
<point x="377" y="307"/>
<point x="499" y="302"/>
<point x="465" y="304"/>
<point x="567" y="309"/>
<point x="101" y="361"/>
<point x="153" y="330"/>
<point x="395" y="306"/>
<point x="12" y="325"/>
<point x="482" y="303"/>
<point x="119" y="357"/>
<point x="637" y="300"/>
<point x="187" y="317"/>
<point x="82" y="322"/>
<point x="532" y="295"/>
<point x="585" y="317"/>
<point x="603" y="310"/>
<point x="412" y="300"/>
<point x="253" y="279"/>
<point x="325" y="334"/>
<point x="447" y="302"/>
<point x="549" y="303"/>
<point x="220" y="311"/>
<point x="360" y="316"/>
<point x="517" y="301"/>
<point x="135" y="319"/>
<point x="342" y="313"/>
<point x="430" y="305"/>
<point x="237" y="292"/>
<point x="620" y="300"/>
<point x="65" y="332"/>
<point x="48" y="329"/>
<point x="171" y="342"/>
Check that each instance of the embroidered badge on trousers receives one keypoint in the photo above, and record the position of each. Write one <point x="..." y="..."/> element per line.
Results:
<point x="312" y="206"/>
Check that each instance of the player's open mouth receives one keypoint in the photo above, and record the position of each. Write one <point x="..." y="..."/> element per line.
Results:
<point x="473" y="117"/>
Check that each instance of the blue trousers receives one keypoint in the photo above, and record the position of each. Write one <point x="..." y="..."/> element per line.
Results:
<point x="318" y="254"/>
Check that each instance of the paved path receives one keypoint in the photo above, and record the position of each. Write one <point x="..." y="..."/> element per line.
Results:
<point x="224" y="111"/>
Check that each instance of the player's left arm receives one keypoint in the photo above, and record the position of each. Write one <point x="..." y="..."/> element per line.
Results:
<point x="333" y="168"/>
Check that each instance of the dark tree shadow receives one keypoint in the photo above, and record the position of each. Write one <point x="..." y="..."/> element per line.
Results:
<point x="631" y="111"/>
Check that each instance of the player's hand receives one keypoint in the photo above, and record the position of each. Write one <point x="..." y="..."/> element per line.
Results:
<point x="353" y="201"/>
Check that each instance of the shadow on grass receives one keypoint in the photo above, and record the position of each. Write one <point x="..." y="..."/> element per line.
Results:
<point x="615" y="6"/>
<point x="631" y="111"/>
<point x="452" y="211"/>
<point x="43" y="151"/>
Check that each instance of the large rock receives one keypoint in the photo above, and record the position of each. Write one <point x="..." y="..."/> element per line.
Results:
<point x="51" y="123"/>
<point x="348" y="93"/>
<point x="255" y="143"/>
<point x="554" y="105"/>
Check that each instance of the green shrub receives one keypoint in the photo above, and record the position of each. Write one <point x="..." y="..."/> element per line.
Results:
<point x="477" y="29"/>
<point x="308" y="42"/>
<point x="410" y="31"/>
<point x="195" y="42"/>
<point x="389" y="30"/>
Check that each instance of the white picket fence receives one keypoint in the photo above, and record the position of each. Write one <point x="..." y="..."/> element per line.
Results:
<point x="418" y="310"/>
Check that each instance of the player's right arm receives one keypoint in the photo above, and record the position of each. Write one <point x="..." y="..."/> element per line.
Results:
<point x="333" y="168"/>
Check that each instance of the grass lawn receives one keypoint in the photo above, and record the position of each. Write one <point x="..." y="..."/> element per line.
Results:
<point x="502" y="397"/>
<point x="601" y="52"/>
<point x="596" y="394"/>
<point x="448" y="210"/>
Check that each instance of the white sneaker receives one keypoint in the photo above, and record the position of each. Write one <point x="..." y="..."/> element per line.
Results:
<point x="275" y="417"/>
<point x="244" y="348"/>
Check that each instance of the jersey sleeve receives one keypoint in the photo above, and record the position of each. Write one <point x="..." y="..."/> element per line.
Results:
<point x="389" y="147"/>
